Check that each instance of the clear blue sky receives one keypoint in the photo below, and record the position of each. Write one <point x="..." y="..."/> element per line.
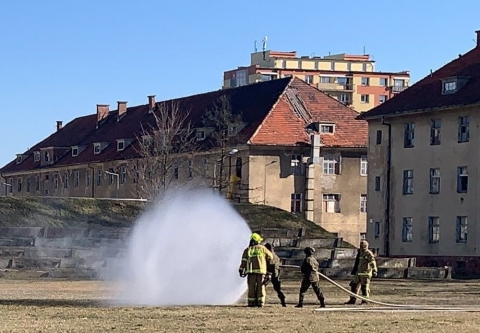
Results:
<point x="58" y="59"/>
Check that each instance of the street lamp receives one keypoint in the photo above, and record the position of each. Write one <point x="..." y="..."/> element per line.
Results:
<point x="7" y="185"/>
<point x="118" y="179"/>
<point x="265" y="181"/>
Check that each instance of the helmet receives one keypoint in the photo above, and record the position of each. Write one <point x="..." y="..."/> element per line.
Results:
<point x="269" y="246"/>
<point x="256" y="237"/>
<point x="363" y="245"/>
<point x="309" y="250"/>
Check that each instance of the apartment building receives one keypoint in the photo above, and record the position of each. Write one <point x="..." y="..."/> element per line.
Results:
<point x="423" y="165"/>
<point x="294" y="148"/>
<point x="351" y="79"/>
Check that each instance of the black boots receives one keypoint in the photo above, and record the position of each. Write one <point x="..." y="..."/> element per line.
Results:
<point x="353" y="289"/>
<point x="283" y="302"/>
<point x="364" y="294"/>
<point x="300" y="302"/>
<point x="322" y="302"/>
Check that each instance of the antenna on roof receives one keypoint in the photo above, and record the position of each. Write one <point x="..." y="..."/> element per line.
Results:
<point x="431" y="72"/>
<point x="255" y="46"/>
<point x="364" y="50"/>
<point x="264" y="47"/>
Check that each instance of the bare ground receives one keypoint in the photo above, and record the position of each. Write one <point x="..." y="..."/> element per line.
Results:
<point x="68" y="306"/>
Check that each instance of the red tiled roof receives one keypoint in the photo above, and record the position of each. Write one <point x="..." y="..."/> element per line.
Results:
<point x="263" y="106"/>
<point x="426" y="94"/>
<point x="283" y="126"/>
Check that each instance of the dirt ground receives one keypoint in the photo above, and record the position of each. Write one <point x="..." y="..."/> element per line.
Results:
<point x="79" y="306"/>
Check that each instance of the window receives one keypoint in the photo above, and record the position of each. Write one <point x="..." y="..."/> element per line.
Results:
<point x="232" y="130"/>
<point x="363" y="203"/>
<point x="123" y="174"/>
<point x="200" y="134"/>
<point x="190" y="169"/>
<point x="75" y="151"/>
<point x="343" y="98"/>
<point x="462" y="179"/>
<point x="296" y="203"/>
<point x="96" y="148"/>
<point x="36" y="156"/>
<point x="309" y="79"/>
<point x="377" y="183"/>
<point x="47" y="156"/>
<point x="449" y="86"/>
<point x="408" y="182"/>
<point x="376" y="230"/>
<point x="433" y="229"/>
<point x="379" y="137"/>
<point x="363" y="236"/>
<point x="463" y="129"/>
<point x="28" y="184"/>
<point x="110" y="176"/>
<point x="327" y="128"/>
<point x="76" y="179"/>
<point x="365" y="81"/>
<point x="175" y="172"/>
<point x="37" y="183"/>
<point x="47" y="177"/>
<point x="342" y="81"/>
<point x="364" y="98"/>
<point x="324" y="79"/>
<point x="19" y="159"/>
<point x="382" y="98"/>
<point x="99" y="177"/>
<point x="331" y="203"/>
<point x="383" y="82"/>
<point x="296" y="164"/>
<point x="87" y="178"/>
<point x="435" y="127"/>
<point x="407" y="229"/>
<point x="19" y="185"/>
<point x="238" y="167"/>
<point x="331" y="165"/>
<point x="462" y="229"/>
<point x="120" y="145"/>
<point x="434" y="181"/>
<point x="363" y="166"/>
<point x="65" y="180"/>
<point x="408" y="139"/>
<point x="55" y="181"/>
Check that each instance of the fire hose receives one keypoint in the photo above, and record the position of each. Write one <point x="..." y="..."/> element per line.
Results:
<point x="387" y="306"/>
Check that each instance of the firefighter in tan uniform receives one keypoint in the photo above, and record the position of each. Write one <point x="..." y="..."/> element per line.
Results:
<point x="273" y="268"/>
<point x="365" y="267"/>
<point x="254" y="266"/>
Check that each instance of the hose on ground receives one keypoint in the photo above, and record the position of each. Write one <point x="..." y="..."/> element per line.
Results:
<point x="387" y="306"/>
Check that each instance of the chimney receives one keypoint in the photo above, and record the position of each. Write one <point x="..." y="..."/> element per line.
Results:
<point x="59" y="125"/>
<point x="151" y="102"/>
<point x="102" y="112"/>
<point x="122" y="109"/>
<point x="478" y="37"/>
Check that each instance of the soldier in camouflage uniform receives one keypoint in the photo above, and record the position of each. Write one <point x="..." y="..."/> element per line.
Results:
<point x="365" y="267"/>
<point x="310" y="278"/>
<point x="273" y="268"/>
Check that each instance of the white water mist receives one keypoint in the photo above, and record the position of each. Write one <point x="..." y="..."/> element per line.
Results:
<point x="186" y="250"/>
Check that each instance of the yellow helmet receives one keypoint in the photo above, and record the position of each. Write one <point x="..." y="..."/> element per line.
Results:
<point x="256" y="237"/>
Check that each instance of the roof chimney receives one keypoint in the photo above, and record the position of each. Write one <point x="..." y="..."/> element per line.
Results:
<point x="478" y="37"/>
<point x="122" y="109"/>
<point x="151" y="102"/>
<point x="59" y="125"/>
<point x="102" y="112"/>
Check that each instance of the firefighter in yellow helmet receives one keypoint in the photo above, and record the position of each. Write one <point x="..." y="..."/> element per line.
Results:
<point x="365" y="267"/>
<point x="254" y="266"/>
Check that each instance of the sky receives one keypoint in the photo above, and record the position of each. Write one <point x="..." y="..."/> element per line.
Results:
<point x="58" y="59"/>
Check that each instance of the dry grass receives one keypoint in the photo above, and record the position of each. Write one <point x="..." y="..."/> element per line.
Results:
<point x="61" y="306"/>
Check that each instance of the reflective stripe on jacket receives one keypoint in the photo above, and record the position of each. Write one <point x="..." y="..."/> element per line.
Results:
<point x="366" y="263"/>
<point x="254" y="259"/>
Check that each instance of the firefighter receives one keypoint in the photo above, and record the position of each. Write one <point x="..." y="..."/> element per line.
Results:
<point x="273" y="268"/>
<point x="310" y="278"/>
<point x="365" y="267"/>
<point x="254" y="266"/>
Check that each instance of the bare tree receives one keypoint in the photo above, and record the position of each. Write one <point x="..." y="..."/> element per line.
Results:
<point x="162" y="146"/>
<point x="225" y="124"/>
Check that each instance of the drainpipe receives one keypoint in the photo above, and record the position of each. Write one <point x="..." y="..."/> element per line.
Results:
<point x="92" y="179"/>
<point x="2" y="175"/>
<point x="387" y="208"/>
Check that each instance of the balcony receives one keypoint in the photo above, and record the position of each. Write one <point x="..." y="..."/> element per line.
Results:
<point x="398" y="89"/>
<point x="335" y="87"/>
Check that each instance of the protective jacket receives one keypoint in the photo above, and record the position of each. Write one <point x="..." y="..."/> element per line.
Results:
<point x="273" y="266"/>
<point x="366" y="263"/>
<point x="254" y="259"/>
<point x="310" y="269"/>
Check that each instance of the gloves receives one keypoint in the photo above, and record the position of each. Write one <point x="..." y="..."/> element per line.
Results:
<point x="241" y="273"/>
<point x="374" y="274"/>
<point x="267" y="279"/>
